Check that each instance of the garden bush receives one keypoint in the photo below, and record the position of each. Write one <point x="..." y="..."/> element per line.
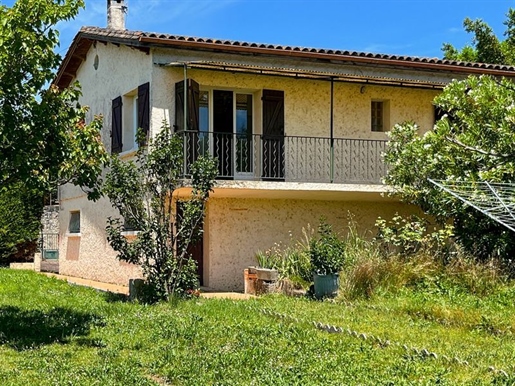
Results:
<point x="20" y="222"/>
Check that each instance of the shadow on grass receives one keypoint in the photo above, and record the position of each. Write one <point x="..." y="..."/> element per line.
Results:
<point x="112" y="297"/>
<point x="26" y="329"/>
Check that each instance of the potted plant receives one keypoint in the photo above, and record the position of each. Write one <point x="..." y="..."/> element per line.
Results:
<point x="267" y="266"/>
<point x="327" y="256"/>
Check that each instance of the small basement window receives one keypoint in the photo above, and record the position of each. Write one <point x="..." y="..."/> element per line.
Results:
<point x="128" y="225"/>
<point x="74" y="225"/>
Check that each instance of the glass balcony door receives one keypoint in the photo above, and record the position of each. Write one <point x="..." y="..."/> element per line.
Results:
<point x="232" y="125"/>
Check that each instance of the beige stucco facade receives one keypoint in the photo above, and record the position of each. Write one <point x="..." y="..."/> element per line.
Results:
<point x="238" y="227"/>
<point x="307" y="102"/>
<point x="247" y="216"/>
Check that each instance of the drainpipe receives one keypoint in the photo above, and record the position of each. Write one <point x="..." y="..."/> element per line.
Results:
<point x="185" y="122"/>
<point x="332" y="130"/>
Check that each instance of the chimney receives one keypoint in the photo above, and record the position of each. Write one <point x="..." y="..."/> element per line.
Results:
<point x="116" y="10"/>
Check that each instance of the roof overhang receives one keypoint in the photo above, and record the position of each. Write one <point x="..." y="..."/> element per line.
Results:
<point x="146" y="41"/>
<point x="299" y="73"/>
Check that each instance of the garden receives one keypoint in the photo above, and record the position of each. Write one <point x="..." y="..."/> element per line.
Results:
<point x="410" y="309"/>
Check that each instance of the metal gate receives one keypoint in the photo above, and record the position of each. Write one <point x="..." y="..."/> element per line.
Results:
<point x="49" y="246"/>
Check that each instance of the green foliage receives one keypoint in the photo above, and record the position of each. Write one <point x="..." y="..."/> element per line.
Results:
<point x="474" y="141"/>
<point x="144" y="192"/>
<point x="486" y="46"/>
<point x="405" y="254"/>
<point x="326" y="251"/>
<point x="267" y="259"/>
<point x="291" y="261"/>
<point x="44" y="140"/>
<point x="20" y="221"/>
<point x="407" y="236"/>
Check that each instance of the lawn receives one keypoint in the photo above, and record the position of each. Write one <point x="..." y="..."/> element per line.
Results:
<point x="52" y="333"/>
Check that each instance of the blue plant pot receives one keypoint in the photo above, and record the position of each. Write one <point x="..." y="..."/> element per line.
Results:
<point x="326" y="286"/>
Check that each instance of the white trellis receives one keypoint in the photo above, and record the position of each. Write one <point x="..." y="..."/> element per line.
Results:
<point x="494" y="200"/>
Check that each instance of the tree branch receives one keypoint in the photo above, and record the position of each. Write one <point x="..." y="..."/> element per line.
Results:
<point x="478" y="150"/>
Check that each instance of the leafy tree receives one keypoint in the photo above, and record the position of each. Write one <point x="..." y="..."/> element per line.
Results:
<point x="144" y="192"/>
<point x="486" y="46"/>
<point x="474" y="141"/>
<point x="44" y="140"/>
<point x="20" y="221"/>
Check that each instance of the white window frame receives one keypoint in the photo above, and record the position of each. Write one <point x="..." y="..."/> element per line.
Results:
<point x="255" y="130"/>
<point x="74" y="231"/>
<point x="129" y="122"/>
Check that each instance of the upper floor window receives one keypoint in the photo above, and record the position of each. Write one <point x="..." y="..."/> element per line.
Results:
<point x="379" y="116"/>
<point x="129" y="113"/>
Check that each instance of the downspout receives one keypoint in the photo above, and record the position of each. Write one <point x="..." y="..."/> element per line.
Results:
<point x="331" y="123"/>
<point x="185" y="122"/>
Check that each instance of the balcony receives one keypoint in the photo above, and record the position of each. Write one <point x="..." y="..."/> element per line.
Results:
<point x="288" y="158"/>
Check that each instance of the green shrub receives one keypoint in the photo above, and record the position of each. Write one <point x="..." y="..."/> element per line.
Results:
<point x="409" y="235"/>
<point x="291" y="261"/>
<point x="20" y="222"/>
<point x="326" y="251"/>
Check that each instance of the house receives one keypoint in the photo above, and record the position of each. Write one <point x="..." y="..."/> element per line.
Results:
<point x="298" y="133"/>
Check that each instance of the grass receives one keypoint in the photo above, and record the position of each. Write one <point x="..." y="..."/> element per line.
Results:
<point x="52" y="333"/>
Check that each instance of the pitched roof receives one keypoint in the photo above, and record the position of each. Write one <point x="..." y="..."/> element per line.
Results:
<point x="146" y="40"/>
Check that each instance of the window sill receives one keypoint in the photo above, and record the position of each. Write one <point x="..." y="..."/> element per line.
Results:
<point x="130" y="235"/>
<point x="128" y="153"/>
<point x="68" y="234"/>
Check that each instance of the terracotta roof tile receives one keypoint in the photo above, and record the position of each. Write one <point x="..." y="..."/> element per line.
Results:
<point x="170" y="37"/>
<point x="146" y="40"/>
<point x="92" y="32"/>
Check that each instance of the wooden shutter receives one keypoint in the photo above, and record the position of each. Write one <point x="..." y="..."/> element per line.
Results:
<point x="144" y="109"/>
<point x="193" y="105"/>
<point x="193" y="97"/>
<point x="116" y="126"/>
<point x="191" y="137"/>
<point x="179" y="106"/>
<point x="273" y="113"/>
<point x="273" y="135"/>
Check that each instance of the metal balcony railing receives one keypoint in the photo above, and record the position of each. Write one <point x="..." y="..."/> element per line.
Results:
<point x="288" y="158"/>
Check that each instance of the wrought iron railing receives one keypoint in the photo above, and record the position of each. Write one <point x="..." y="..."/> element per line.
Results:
<point x="288" y="158"/>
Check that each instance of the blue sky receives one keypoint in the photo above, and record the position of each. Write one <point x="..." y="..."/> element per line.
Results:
<point x="403" y="27"/>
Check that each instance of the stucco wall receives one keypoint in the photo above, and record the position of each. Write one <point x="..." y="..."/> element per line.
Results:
<point x="237" y="228"/>
<point x="120" y="70"/>
<point x="50" y="219"/>
<point x="95" y="260"/>
<point x="307" y="102"/>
